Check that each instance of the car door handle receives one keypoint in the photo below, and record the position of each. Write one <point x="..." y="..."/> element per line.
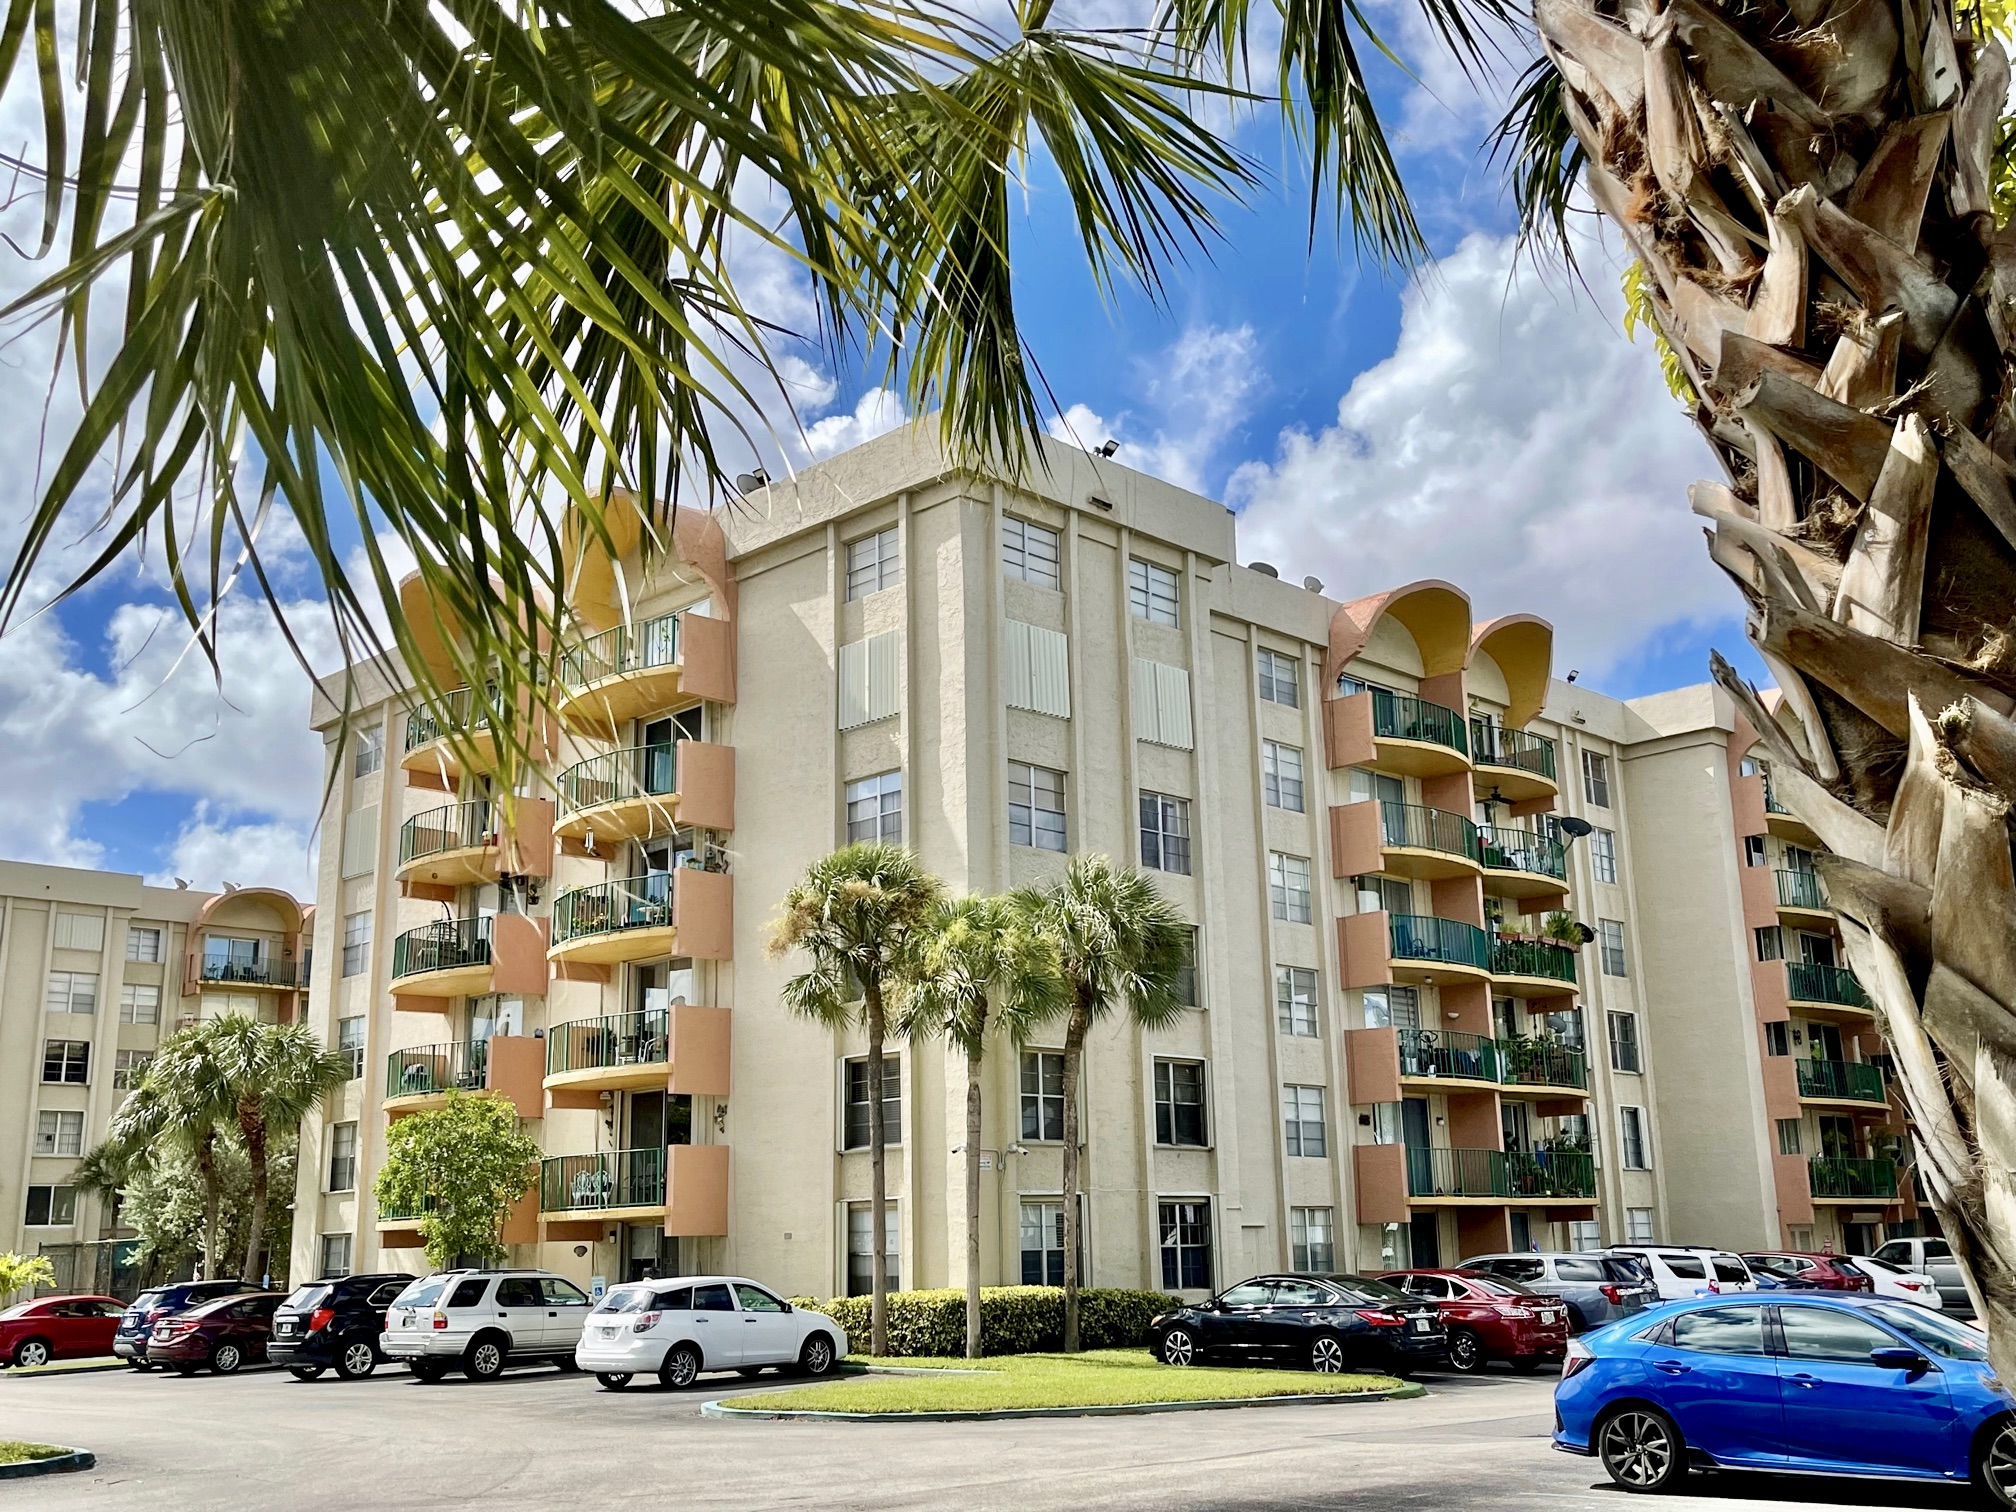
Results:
<point x="1805" y="1380"/>
<point x="1671" y="1367"/>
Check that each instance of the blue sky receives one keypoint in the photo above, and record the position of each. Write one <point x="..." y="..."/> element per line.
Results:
<point x="1482" y="423"/>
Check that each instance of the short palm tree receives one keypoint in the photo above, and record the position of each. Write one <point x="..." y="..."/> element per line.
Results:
<point x="185" y="1098"/>
<point x="1121" y="946"/>
<point x="862" y="914"/>
<point x="984" y="971"/>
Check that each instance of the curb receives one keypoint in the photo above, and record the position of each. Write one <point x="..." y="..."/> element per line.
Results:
<point x="56" y="1464"/>
<point x="725" y="1408"/>
<point x="60" y="1368"/>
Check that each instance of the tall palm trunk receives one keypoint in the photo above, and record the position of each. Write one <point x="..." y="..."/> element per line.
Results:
<point x="213" y="1199"/>
<point x="1808" y="185"/>
<point x="252" y="1127"/>
<point x="878" y="1200"/>
<point x="972" y="1204"/>
<point x="1074" y="1054"/>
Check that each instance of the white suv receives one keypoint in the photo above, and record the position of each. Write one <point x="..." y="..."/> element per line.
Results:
<point x="1684" y="1270"/>
<point x="676" y="1327"/>
<point x="483" y="1320"/>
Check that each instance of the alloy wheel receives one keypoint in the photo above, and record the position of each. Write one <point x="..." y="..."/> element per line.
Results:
<point x="1998" y="1465"/>
<point x="1326" y="1356"/>
<point x="1466" y="1352"/>
<point x="227" y="1359"/>
<point x="1637" y="1450"/>
<point x="818" y="1356"/>
<point x="485" y="1360"/>
<point x="357" y="1360"/>
<point x="31" y="1354"/>
<point x="1178" y="1348"/>
<point x="681" y="1367"/>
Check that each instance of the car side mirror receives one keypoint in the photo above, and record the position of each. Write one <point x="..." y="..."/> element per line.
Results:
<point x="1899" y="1358"/>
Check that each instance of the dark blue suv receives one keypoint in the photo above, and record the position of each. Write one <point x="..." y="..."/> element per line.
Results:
<point x="129" y="1340"/>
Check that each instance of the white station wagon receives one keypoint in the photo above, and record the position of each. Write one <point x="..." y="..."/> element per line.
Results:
<point x="674" y="1327"/>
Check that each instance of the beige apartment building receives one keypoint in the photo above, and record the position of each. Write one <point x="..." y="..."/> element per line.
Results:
<point x="95" y="968"/>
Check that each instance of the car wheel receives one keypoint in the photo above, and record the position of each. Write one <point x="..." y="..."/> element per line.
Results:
<point x="1326" y="1354"/>
<point x="613" y="1380"/>
<point x="1178" y="1347"/>
<point x="1995" y="1465"/>
<point x="749" y="1372"/>
<point x="31" y="1352"/>
<point x="226" y="1358"/>
<point x="1466" y="1351"/>
<point x="1641" y="1449"/>
<point x="681" y="1366"/>
<point x="305" y="1372"/>
<point x="356" y="1360"/>
<point x="816" y="1358"/>
<point x="485" y="1359"/>
<point x="428" y="1371"/>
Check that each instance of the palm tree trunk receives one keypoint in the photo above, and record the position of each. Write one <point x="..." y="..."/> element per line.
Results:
<point x="1074" y="1053"/>
<point x="972" y="1205"/>
<point x="213" y="1199"/>
<point x="878" y="1201"/>
<point x="252" y="1127"/>
<point x="1809" y="190"/>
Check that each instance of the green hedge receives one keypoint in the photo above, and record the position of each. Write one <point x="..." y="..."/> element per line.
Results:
<point x="1013" y="1319"/>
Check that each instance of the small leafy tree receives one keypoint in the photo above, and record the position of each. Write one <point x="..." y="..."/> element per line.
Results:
<point x="161" y="1198"/>
<point x="460" y="1167"/>
<point x="19" y="1272"/>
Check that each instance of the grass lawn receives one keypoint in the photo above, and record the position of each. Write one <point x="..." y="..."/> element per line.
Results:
<point x="14" y="1452"/>
<point x="1097" y="1378"/>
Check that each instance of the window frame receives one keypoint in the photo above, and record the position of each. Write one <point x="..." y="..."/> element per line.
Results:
<point x="1301" y="1247"/>
<point x="130" y="1005"/>
<point x="1268" y="679"/>
<point x="1041" y="824"/>
<point x="1603" y="854"/>
<point x="341" y="1170"/>
<point x="1290" y="1002"/>
<point x="1282" y="900"/>
<point x="128" y="1066"/>
<point x="368" y="755"/>
<point x="330" y="1272"/>
<point x="1296" y="1121"/>
<point x="1172" y="1112"/>
<point x="1596" y="778"/>
<point x="1019" y="566"/>
<point x="884" y="817"/>
<point x="58" y="1196"/>
<point x="864" y="579"/>
<point x="1041" y="1100"/>
<point x="70" y="981"/>
<point x="1609" y="939"/>
<point x="133" y="932"/>
<point x="1174" y="1216"/>
<point x="1275" y="783"/>
<point x="356" y="943"/>
<point x="63" y="1059"/>
<point x="1631" y="1121"/>
<point x="1154" y="592"/>
<point x="59" y="1123"/>
<point x="1166" y="846"/>
<point x="1626" y="1046"/>
<point x="892" y="1246"/>
<point x="892" y="1076"/>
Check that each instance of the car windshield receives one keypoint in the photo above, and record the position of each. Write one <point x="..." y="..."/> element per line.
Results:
<point x="147" y="1301"/>
<point x="1931" y="1331"/>
<point x="423" y="1293"/>
<point x="308" y="1298"/>
<point x="1498" y="1286"/>
<point x="627" y="1299"/>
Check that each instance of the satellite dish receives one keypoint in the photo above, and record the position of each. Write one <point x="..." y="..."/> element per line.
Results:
<point x="1265" y="569"/>
<point x="749" y="482"/>
<point x="1313" y="584"/>
<point x="1575" y="828"/>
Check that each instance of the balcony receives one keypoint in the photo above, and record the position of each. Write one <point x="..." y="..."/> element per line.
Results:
<point x="1518" y="766"/>
<point x="1839" y="1179"/>
<point x="1785" y="824"/>
<point x="645" y="668"/>
<point x="1542" y="1064"/>
<point x="1826" y="992"/>
<point x="1532" y="968"/>
<point x="1521" y="864"/>
<point x="1443" y="1055"/>
<point x="1799" y="893"/>
<point x="432" y="736"/>
<point x="423" y="1076"/>
<point x="613" y="1183"/>
<point x="1495" y="1176"/>
<point x="1424" y="947"/>
<point x="1395" y="732"/>
<point x="1426" y="842"/>
<point x="454" y="958"/>
<point x="613" y="1053"/>
<point x="641" y="791"/>
<point x="684" y="912"/>
<point x="1840" y="1081"/>
<point x="454" y="846"/>
<point x="244" y="975"/>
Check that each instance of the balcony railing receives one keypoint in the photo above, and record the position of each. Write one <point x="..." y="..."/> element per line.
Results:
<point x="1507" y="849"/>
<point x="1445" y="1052"/>
<point x="620" y="1039"/>
<point x="228" y="971"/>
<point x="395" y="1211"/>
<point x="1419" y="828"/>
<point x="453" y="711"/>
<point x="628" y="648"/>
<point x="1799" y="889"/>
<point x="1401" y="716"/>
<point x="1497" y="1173"/>
<point x="459" y="826"/>
<point x="1533" y="958"/>
<point x="442" y="946"/>
<point x="1494" y="745"/>
<point x="1420" y="937"/>
<point x="1834" y="1176"/>
<point x="1810" y="982"/>
<point x="1771" y="803"/>
<point x="429" y="1069"/>
<point x="1843" y="1079"/>
<point x="1542" y="1063"/>
<point x="612" y="1179"/>
<point x="610" y="907"/>
<point x="633" y="772"/>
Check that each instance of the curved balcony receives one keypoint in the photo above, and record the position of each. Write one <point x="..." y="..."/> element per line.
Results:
<point x="1521" y="864"/>
<point x="1786" y="825"/>
<point x="1396" y="732"/>
<point x="1827" y="992"/>
<point x="683" y="912"/>
<point x="240" y="975"/>
<point x="1424" y="948"/>
<point x="1800" y="899"/>
<point x="1499" y="1176"/>
<point x="449" y="958"/>
<point x="431" y="736"/>
<point x="423" y="1076"/>
<point x="1532" y="968"/>
<point x="1444" y="1055"/>
<point x="614" y="1185"/>
<point x="641" y="791"/>
<point x="1426" y="842"/>
<point x="645" y="668"/>
<point x="1515" y="765"/>
<point x="1825" y="1081"/>
<point x="1841" y="1179"/>
<point x="617" y="1052"/>
<point x="1542" y="1065"/>
<point x="457" y="845"/>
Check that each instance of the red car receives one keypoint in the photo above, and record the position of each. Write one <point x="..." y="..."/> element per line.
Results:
<point x="225" y="1334"/>
<point x="58" y="1328"/>
<point x="1489" y="1319"/>
<point x="1799" y="1270"/>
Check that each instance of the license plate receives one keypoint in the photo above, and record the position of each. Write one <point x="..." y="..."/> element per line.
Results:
<point x="1549" y="1317"/>
<point x="1419" y="1325"/>
<point x="284" y="1328"/>
<point x="607" y="1333"/>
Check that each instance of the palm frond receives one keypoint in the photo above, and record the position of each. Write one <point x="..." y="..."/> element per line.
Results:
<point x="1543" y="159"/>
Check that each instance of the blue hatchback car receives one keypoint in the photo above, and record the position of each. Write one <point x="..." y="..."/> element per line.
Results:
<point x="1801" y="1382"/>
<point x="129" y="1340"/>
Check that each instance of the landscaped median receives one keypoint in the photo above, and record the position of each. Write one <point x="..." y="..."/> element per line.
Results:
<point x="18" y="1459"/>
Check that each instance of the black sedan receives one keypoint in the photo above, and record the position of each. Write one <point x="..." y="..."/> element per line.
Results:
<point x="1323" y="1323"/>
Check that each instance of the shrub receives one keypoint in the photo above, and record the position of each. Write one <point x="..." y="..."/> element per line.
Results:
<point x="1013" y="1319"/>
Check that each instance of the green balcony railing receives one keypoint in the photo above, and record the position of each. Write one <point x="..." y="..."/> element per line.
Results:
<point x="442" y="946"/>
<point x="1810" y="982"/>
<point x="1419" y="828"/>
<point x="618" y="1039"/>
<point x="1445" y="1052"/>
<point x="633" y="772"/>
<point x="427" y="1069"/>
<point x="628" y="648"/>
<point x="1533" y="958"/>
<point x="1507" y="849"/>
<point x="1843" y="1079"/>
<point x="1834" y="1176"/>
<point x="1494" y="745"/>
<point x="1771" y="803"/>
<point x="1420" y="937"/>
<point x="610" y="907"/>
<point x="1542" y="1063"/>
<point x="1496" y="1173"/>
<point x="392" y="1211"/>
<point x="236" y="971"/>
<point x="1799" y="889"/>
<point x="456" y="710"/>
<point x="459" y="826"/>
<point x="611" y="1179"/>
<point x="1401" y="716"/>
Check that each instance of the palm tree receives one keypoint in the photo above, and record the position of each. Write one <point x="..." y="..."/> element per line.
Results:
<point x="983" y="970"/>
<point x="275" y="1073"/>
<point x="862" y="914"/>
<point x="184" y="1098"/>
<point x="1119" y="942"/>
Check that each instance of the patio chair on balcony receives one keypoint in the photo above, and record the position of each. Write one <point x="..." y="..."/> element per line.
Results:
<point x="590" y="1189"/>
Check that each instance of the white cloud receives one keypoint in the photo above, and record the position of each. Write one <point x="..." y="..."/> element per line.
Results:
<point x="1196" y="393"/>
<point x="876" y="412"/>
<point x="210" y="850"/>
<point x="1514" y="443"/>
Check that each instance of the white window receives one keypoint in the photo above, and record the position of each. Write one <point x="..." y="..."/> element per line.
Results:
<point x="1036" y="669"/>
<point x="356" y="942"/>
<point x="360" y="841"/>
<point x="1279" y="678"/>
<point x="73" y="992"/>
<point x="1631" y="1127"/>
<point x="79" y="931"/>
<point x="868" y="680"/>
<point x="1392" y="1007"/>
<point x="854" y="1132"/>
<point x="128" y="1066"/>
<point x="1183" y="1235"/>
<point x="1162" y="704"/>
<point x="1603" y="854"/>
<point x="1295" y="1000"/>
<point x="1042" y="1094"/>
<point x="1753" y="851"/>
<point x="1584" y="1234"/>
<point x="139" y="1003"/>
<point x="1151" y="592"/>
<point x="335" y="1256"/>
<point x="1789" y="1141"/>
<point x="1309" y="1231"/>
<point x="1770" y="943"/>
<point x="1031" y="552"/>
<point x="1281" y="775"/>
<point x="66" y="1062"/>
<point x="1288" y="887"/>
<point x="873" y="563"/>
<point x="1638" y="1225"/>
<point x="350" y="1037"/>
<point x="1596" y="779"/>
<point x="1611" y="933"/>
<point x="51" y="1206"/>
<point x="1186" y="974"/>
<point x="1042" y="1243"/>
<point x="1165" y="833"/>
<point x="59" y="1134"/>
<point x="875" y="809"/>
<point x="1624" y="1043"/>
<point x="343" y="1157"/>
<point x="1302" y="1120"/>
<point x="143" y="943"/>
<point x="369" y="752"/>
<point x="1035" y="806"/>
<point x="1179" y="1104"/>
<point x="861" y="1248"/>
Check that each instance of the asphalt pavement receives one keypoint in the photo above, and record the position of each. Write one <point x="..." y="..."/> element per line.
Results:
<point x="537" y="1439"/>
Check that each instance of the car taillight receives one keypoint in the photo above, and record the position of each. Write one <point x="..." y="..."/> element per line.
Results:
<point x="321" y="1318"/>
<point x="1578" y="1358"/>
<point x="440" y="1320"/>
<point x="1514" y="1310"/>
<point x="1381" y="1319"/>
<point x="646" y="1322"/>
<point x="1611" y="1294"/>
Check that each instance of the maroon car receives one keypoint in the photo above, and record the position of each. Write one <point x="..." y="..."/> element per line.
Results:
<point x="1489" y="1319"/>
<point x="58" y="1328"/>
<point x="1799" y="1270"/>
<point x="225" y="1335"/>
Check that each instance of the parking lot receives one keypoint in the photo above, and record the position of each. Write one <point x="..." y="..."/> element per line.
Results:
<point x="537" y="1439"/>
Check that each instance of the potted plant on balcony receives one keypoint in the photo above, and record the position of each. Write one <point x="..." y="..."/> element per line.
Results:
<point x="1561" y="928"/>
